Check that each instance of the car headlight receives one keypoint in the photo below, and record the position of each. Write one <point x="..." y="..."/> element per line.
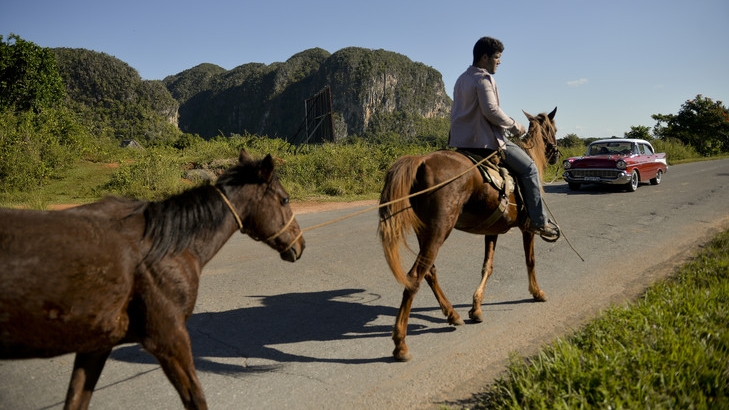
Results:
<point x="621" y="164"/>
<point x="567" y="165"/>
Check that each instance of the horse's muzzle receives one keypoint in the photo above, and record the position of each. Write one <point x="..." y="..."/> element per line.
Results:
<point x="294" y="252"/>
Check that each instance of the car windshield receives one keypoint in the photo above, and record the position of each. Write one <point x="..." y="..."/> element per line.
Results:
<point x="610" y="148"/>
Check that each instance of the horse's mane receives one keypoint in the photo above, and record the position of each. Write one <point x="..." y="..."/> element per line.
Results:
<point x="174" y="223"/>
<point x="541" y="127"/>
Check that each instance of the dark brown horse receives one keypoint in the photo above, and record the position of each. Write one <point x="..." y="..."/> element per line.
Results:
<point x="466" y="204"/>
<point x="125" y="271"/>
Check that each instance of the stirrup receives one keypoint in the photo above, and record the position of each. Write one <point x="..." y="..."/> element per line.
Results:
<point x="549" y="238"/>
<point x="543" y="234"/>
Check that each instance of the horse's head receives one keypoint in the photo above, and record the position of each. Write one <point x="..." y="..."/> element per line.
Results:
<point x="263" y="205"/>
<point x="541" y="139"/>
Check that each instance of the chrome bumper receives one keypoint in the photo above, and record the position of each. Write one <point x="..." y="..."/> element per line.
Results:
<point x="618" y="178"/>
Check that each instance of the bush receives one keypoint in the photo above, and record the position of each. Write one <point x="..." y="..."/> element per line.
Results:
<point x="675" y="150"/>
<point x="156" y="173"/>
<point x="38" y="146"/>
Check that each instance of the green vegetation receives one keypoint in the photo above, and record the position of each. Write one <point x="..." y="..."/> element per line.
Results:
<point x="700" y="123"/>
<point x="669" y="349"/>
<point x="348" y="170"/>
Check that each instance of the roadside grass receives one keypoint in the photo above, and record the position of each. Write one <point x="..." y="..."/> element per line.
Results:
<point x="76" y="187"/>
<point x="668" y="349"/>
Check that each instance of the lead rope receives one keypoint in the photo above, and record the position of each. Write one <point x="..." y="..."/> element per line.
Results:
<point x="372" y="208"/>
<point x="434" y="187"/>
<point x="230" y="206"/>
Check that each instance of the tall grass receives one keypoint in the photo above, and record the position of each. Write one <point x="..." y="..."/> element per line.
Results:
<point x="669" y="349"/>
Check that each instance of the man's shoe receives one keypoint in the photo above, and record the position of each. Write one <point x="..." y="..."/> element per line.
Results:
<point x="549" y="232"/>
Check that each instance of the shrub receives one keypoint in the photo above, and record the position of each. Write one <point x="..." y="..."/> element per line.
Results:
<point x="156" y="173"/>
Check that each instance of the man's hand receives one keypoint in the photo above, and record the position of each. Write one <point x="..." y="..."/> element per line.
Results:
<point x="517" y="129"/>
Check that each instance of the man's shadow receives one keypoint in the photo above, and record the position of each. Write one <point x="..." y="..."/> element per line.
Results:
<point x="253" y="332"/>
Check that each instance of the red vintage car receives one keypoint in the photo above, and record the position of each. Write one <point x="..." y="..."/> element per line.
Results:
<point x="616" y="161"/>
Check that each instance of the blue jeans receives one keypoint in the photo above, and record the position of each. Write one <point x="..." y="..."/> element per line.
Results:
<point x="527" y="174"/>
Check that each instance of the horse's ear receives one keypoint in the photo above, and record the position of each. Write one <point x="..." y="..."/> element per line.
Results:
<point x="243" y="156"/>
<point x="529" y="116"/>
<point x="266" y="170"/>
<point x="551" y="114"/>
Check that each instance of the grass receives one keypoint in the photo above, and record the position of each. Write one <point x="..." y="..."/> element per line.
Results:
<point x="76" y="187"/>
<point x="669" y="349"/>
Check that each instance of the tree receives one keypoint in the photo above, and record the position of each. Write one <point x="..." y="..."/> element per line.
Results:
<point x="29" y="78"/>
<point x="639" y="132"/>
<point x="701" y="123"/>
<point x="39" y="137"/>
<point x="571" y="141"/>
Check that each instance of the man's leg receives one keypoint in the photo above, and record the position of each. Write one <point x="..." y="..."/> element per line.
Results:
<point x="528" y="175"/>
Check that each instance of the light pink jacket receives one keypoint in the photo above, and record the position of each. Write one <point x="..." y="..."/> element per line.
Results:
<point x="477" y="121"/>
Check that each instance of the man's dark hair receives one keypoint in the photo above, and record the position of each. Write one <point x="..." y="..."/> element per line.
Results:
<point x="488" y="46"/>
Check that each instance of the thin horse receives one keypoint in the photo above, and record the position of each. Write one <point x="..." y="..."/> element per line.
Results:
<point x="466" y="203"/>
<point x="120" y="271"/>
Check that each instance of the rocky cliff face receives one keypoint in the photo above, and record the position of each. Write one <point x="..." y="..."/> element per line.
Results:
<point x="269" y="99"/>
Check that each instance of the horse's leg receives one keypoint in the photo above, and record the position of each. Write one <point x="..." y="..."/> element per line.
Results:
<point x="87" y="368"/>
<point x="488" y="268"/>
<point x="429" y="242"/>
<point x="528" y="240"/>
<point x="171" y="346"/>
<point x="401" y="323"/>
<point x="445" y="306"/>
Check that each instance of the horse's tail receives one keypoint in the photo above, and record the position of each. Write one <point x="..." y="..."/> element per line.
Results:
<point x="397" y="218"/>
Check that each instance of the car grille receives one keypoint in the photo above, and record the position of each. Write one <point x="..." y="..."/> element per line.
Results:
<point x="601" y="173"/>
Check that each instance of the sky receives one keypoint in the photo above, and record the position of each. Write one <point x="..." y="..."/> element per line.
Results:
<point x="605" y="65"/>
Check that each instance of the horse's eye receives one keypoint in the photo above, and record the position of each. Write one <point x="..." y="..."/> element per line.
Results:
<point x="284" y="201"/>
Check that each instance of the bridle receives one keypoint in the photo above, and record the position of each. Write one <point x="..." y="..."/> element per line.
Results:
<point x="551" y="151"/>
<point x="252" y="235"/>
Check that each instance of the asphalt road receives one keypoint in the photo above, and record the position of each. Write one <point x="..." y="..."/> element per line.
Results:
<point x="316" y="333"/>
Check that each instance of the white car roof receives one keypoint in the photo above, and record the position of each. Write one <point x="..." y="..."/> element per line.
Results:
<point x="636" y="140"/>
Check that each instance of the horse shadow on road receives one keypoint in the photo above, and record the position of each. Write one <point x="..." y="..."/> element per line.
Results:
<point x="252" y="333"/>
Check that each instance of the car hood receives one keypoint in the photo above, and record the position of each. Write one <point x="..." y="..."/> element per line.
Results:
<point x="595" y="161"/>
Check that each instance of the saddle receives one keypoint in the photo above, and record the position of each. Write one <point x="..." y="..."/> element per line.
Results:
<point x="498" y="177"/>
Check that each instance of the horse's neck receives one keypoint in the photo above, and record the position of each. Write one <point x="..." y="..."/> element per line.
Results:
<point x="205" y="248"/>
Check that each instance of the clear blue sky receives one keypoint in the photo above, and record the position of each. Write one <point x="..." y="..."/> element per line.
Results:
<point x="606" y="65"/>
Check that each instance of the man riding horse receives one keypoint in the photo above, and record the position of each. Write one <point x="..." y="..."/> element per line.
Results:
<point x="478" y="125"/>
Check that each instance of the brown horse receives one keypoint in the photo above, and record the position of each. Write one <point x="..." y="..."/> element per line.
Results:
<point x="125" y="271"/>
<point x="466" y="204"/>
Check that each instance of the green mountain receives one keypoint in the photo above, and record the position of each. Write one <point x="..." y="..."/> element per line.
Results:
<point x="366" y="85"/>
<point x="371" y="89"/>
<point x="113" y="100"/>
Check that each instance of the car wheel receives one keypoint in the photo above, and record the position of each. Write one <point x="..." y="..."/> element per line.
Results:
<point x="575" y="186"/>
<point x="633" y="184"/>
<point x="657" y="179"/>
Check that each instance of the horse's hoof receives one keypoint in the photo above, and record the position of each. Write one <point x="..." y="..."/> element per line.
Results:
<point x="402" y="356"/>
<point x="456" y="321"/>
<point x="540" y="297"/>
<point x="476" y="317"/>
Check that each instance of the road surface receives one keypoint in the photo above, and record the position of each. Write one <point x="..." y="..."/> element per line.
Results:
<point x="268" y="334"/>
